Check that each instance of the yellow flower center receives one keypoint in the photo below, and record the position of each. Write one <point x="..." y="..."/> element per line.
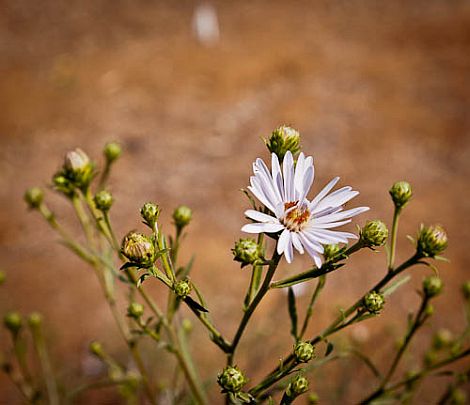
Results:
<point x="295" y="218"/>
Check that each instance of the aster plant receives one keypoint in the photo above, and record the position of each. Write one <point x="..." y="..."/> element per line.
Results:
<point x="287" y="220"/>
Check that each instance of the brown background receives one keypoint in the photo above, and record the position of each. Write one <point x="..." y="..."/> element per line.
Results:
<point x="379" y="90"/>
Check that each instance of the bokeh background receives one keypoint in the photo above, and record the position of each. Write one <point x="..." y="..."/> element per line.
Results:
<point x="379" y="91"/>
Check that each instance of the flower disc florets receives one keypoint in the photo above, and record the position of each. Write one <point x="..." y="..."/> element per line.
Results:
<point x="432" y="286"/>
<point x="282" y="140"/>
<point x="304" y="352"/>
<point x="374" y="233"/>
<point x="246" y="251"/>
<point x="432" y="240"/>
<point x="34" y="197"/>
<point x="231" y="379"/>
<point x="138" y="248"/>
<point x="374" y="302"/>
<point x="297" y="386"/>
<point x="182" y="216"/>
<point x="401" y="193"/>
<point x="182" y="288"/>
<point x="103" y="200"/>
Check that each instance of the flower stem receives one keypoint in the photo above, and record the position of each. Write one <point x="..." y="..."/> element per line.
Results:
<point x="308" y="315"/>
<point x="391" y="255"/>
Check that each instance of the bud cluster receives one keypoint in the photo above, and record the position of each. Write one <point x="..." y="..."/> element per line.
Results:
<point x="246" y="251"/>
<point x="282" y="140"/>
<point x="231" y="379"/>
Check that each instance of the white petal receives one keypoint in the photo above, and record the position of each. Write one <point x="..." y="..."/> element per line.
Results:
<point x="259" y="193"/>
<point x="299" y="175"/>
<point x="309" y="248"/>
<point x="261" y="217"/>
<point x="259" y="228"/>
<point x="288" y="170"/>
<point x="272" y="189"/>
<point x="277" y="175"/>
<point x="296" y="242"/>
<point x="328" y="225"/>
<point x="341" y="215"/>
<point x="282" y="242"/>
<point x="323" y="193"/>
<point x="307" y="183"/>
<point x="313" y="243"/>
<point x="337" y="198"/>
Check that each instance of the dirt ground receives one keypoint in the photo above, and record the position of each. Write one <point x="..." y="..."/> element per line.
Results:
<point x="379" y="90"/>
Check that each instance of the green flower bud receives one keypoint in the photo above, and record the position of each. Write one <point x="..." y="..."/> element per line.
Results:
<point x="466" y="290"/>
<point x="138" y="248"/>
<point x="283" y="139"/>
<point x="231" y="379"/>
<point x="442" y="338"/>
<point x="182" y="216"/>
<point x="3" y="277"/>
<point x="13" y="322"/>
<point x="182" y="288"/>
<point x="297" y="386"/>
<point x="112" y="151"/>
<point x="432" y="240"/>
<point x="187" y="325"/>
<point x="458" y="397"/>
<point x="374" y="302"/>
<point x="304" y="352"/>
<point x="401" y="193"/>
<point x="150" y="213"/>
<point x="96" y="348"/>
<point x="429" y="310"/>
<point x="330" y="251"/>
<point x="313" y="398"/>
<point x="34" y="197"/>
<point x="374" y="233"/>
<point x="63" y="185"/>
<point x="35" y="320"/>
<point x="78" y="168"/>
<point x="432" y="286"/>
<point x="135" y="310"/>
<point x="246" y="251"/>
<point x="103" y="200"/>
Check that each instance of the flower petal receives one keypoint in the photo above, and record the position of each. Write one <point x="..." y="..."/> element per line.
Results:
<point x="288" y="171"/>
<point x="341" y="215"/>
<point x="297" y="243"/>
<point x="260" y="228"/>
<point x="323" y="193"/>
<point x="261" y="217"/>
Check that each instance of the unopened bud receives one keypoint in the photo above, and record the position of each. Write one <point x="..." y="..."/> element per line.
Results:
<point x="432" y="286"/>
<point x="313" y="398"/>
<point x="297" y="386"/>
<point x="34" y="197"/>
<point x="443" y="338"/>
<point x="246" y="251"/>
<point x="103" y="200"/>
<point x="187" y="325"/>
<point x="135" y="310"/>
<point x="304" y="352"/>
<point x="182" y="216"/>
<point x="63" y="185"/>
<point x="374" y="302"/>
<point x="34" y="320"/>
<point x="96" y="348"/>
<point x="330" y="251"/>
<point x="13" y="322"/>
<point x="182" y="288"/>
<point x="112" y="151"/>
<point x="466" y="290"/>
<point x="231" y="379"/>
<point x="374" y="233"/>
<point x="150" y="213"/>
<point x="282" y="140"/>
<point x="432" y="240"/>
<point x="429" y="310"/>
<point x="78" y="168"/>
<point x="138" y="248"/>
<point x="401" y="193"/>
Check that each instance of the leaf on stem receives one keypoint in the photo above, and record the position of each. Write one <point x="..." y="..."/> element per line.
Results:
<point x="292" y="312"/>
<point x="195" y="306"/>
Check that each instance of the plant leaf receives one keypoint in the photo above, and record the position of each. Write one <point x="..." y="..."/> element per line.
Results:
<point x="292" y="312"/>
<point x="195" y="306"/>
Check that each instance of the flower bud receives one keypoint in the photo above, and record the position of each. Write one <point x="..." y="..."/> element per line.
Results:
<point x="231" y="379"/>
<point x="63" y="185"/>
<point x="282" y="140"/>
<point x="182" y="216"/>
<point x="442" y="338"/>
<point x="432" y="286"/>
<point x="304" y="352"/>
<point x="96" y="348"/>
<point x="34" y="320"/>
<point x="313" y="398"/>
<point x="297" y="386"/>
<point x="466" y="290"/>
<point x="187" y="325"/>
<point x="112" y="151"/>
<point x="401" y="193"/>
<point x="330" y="251"/>
<point x="103" y="200"/>
<point x="182" y="288"/>
<point x="429" y="310"/>
<point x="78" y="168"/>
<point x="432" y="240"/>
<point x="374" y="302"/>
<point x="2" y="277"/>
<point x="34" y="197"/>
<point x="374" y="233"/>
<point x="246" y="251"/>
<point x="458" y="397"/>
<point x="150" y="213"/>
<point x="138" y="248"/>
<point x="13" y="322"/>
<point x="135" y="310"/>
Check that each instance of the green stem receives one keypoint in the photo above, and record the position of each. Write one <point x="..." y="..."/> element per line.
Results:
<point x="313" y="299"/>
<point x="393" y="237"/>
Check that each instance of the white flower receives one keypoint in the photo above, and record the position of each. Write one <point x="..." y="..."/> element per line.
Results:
<point x="305" y="225"/>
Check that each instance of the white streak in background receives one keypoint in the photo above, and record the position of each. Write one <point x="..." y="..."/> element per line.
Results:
<point x="299" y="289"/>
<point x="206" y="24"/>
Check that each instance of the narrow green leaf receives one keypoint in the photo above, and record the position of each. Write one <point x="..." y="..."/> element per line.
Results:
<point x="329" y="348"/>
<point x="292" y="312"/>
<point x="397" y="284"/>
<point x="195" y="306"/>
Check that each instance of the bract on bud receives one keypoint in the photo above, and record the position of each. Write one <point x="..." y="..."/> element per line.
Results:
<point x="112" y="151"/>
<point x="182" y="216"/>
<point x="374" y="302"/>
<point x="138" y="248"/>
<point x="103" y="200"/>
<point x="282" y="140"/>
<point x="304" y="352"/>
<point x="432" y="240"/>
<point x="401" y="193"/>
<point x="246" y="251"/>
<point x="374" y="233"/>
<point x="432" y="286"/>
<point x="231" y="379"/>
<point x="34" y="197"/>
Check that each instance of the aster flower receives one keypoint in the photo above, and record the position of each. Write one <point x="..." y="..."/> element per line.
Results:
<point x="304" y="224"/>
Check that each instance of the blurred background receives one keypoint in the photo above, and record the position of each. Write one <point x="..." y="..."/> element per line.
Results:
<point x="379" y="91"/>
